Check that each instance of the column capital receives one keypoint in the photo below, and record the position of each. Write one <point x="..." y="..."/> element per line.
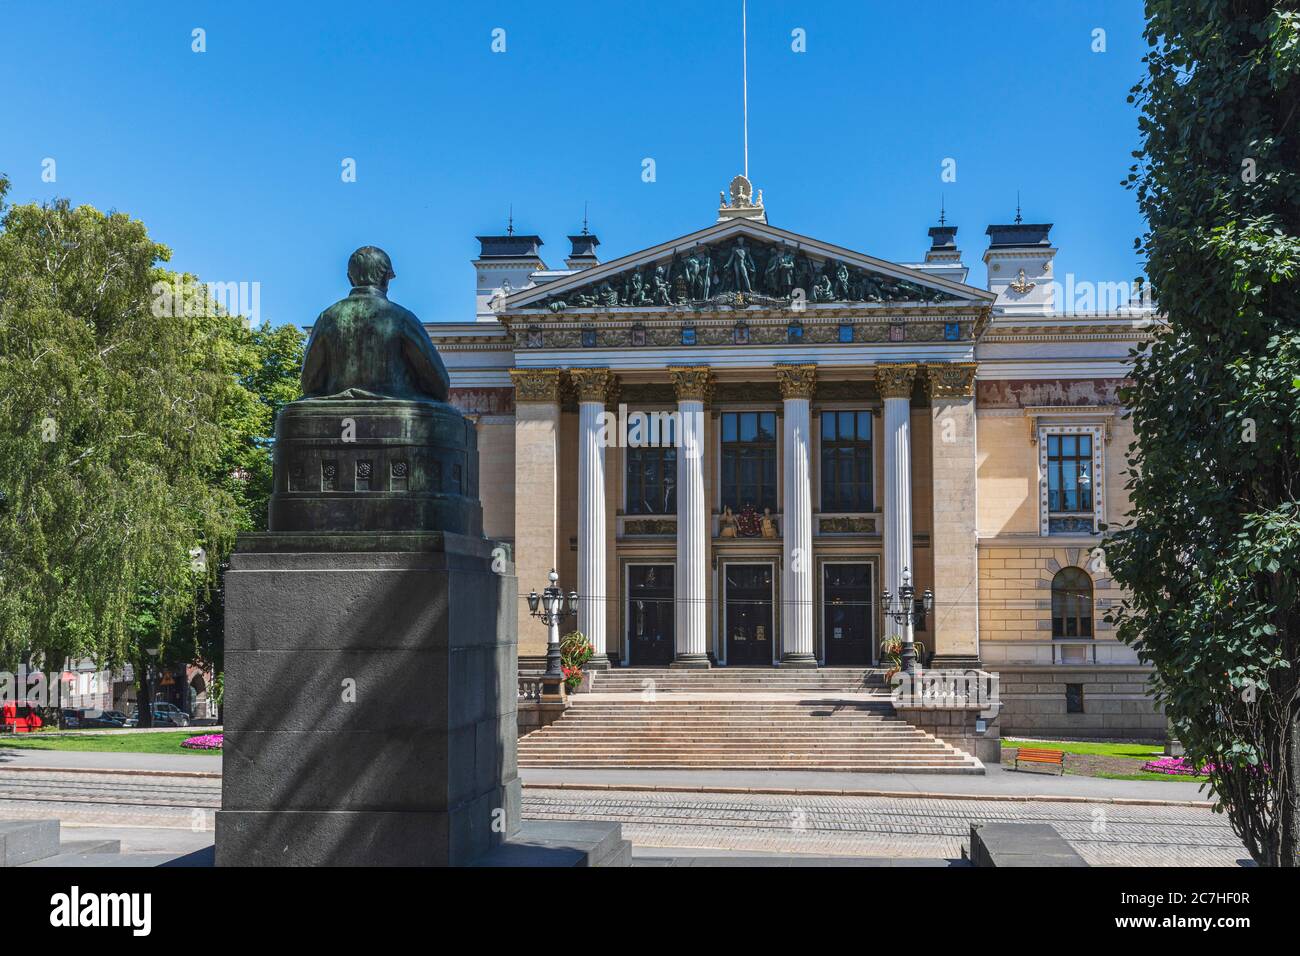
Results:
<point x="797" y="381"/>
<point x="950" y="379"/>
<point x="692" y="382"/>
<point x="593" y="384"/>
<point x="894" y="379"/>
<point x="536" y="385"/>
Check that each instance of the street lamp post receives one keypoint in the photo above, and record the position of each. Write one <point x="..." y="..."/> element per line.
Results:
<point x="549" y="607"/>
<point x="905" y="613"/>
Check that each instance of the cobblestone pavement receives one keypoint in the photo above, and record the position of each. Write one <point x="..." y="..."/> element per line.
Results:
<point x="1104" y="835"/>
<point x="109" y="799"/>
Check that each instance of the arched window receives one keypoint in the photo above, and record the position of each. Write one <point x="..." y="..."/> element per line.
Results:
<point x="1071" y="603"/>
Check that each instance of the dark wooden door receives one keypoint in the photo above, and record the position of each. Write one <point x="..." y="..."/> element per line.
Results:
<point x="749" y="614"/>
<point x="650" y="614"/>
<point x="847" y="614"/>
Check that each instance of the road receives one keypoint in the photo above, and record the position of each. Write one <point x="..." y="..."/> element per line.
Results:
<point x="149" y="810"/>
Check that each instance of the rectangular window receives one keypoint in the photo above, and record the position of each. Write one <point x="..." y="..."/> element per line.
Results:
<point x="846" y="461"/>
<point x="1074" y="698"/>
<point x="1069" y="474"/>
<point x="749" y="460"/>
<point x="652" y="481"/>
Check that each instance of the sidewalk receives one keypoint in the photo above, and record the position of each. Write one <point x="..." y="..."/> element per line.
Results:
<point x="997" y="783"/>
<point x="11" y="758"/>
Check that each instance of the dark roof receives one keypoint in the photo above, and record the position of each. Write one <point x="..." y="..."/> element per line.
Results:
<point x="943" y="237"/>
<point x="1020" y="234"/>
<point x="583" y="245"/>
<point x="509" y="247"/>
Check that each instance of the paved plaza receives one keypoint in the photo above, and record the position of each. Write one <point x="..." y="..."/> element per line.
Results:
<point x="889" y="827"/>
<point x="152" y="812"/>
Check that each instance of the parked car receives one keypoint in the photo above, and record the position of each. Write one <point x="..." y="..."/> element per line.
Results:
<point x="175" y="717"/>
<point x="117" y="715"/>
<point x="20" y="716"/>
<point x="75" y="718"/>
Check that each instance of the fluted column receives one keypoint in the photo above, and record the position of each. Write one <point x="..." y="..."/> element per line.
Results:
<point x="797" y="385"/>
<point x="593" y="386"/>
<point x="895" y="383"/>
<point x="692" y="622"/>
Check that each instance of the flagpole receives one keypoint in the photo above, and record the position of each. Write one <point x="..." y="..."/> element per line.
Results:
<point x="744" y="43"/>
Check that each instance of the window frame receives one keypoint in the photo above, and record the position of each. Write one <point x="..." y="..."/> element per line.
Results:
<point x="866" y="477"/>
<point x="1080" y="599"/>
<point x="723" y="446"/>
<point x="1091" y="518"/>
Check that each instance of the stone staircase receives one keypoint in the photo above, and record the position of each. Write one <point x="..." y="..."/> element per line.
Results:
<point x="739" y="719"/>
<point x="640" y="680"/>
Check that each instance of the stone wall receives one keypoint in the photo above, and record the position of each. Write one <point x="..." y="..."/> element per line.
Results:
<point x="1116" y="703"/>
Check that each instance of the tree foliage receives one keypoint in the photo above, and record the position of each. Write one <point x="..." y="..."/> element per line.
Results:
<point x="1210" y="555"/>
<point x="134" y="429"/>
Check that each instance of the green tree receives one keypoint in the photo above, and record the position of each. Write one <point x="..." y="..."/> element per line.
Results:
<point x="1210" y="553"/>
<point x="135" y="419"/>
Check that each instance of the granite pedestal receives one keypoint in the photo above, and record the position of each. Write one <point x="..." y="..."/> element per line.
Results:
<point x="370" y="701"/>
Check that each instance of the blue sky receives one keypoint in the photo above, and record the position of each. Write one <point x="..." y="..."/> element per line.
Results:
<point x="232" y="157"/>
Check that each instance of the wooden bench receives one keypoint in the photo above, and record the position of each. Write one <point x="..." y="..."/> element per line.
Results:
<point x="1040" y="755"/>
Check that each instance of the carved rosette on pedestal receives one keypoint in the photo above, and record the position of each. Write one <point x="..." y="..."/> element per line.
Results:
<point x="951" y="379"/>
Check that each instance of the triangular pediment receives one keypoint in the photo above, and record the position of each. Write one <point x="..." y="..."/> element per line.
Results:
<point x="745" y="263"/>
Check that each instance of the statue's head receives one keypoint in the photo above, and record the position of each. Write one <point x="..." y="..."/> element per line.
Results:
<point x="370" y="265"/>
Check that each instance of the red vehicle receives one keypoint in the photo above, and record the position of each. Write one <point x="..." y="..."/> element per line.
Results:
<point x="20" y="716"/>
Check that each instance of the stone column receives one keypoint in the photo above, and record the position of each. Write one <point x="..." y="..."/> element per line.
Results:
<point x="951" y="386"/>
<point x="537" y="502"/>
<point x="693" y="385"/>
<point x="797" y="385"/>
<point x="593" y="386"/>
<point x="895" y="384"/>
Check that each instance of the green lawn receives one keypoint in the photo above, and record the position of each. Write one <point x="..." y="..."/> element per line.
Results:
<point x="164" y="742"/>
<point x="1114" y="755"/>
<point x="1116" y="749"/>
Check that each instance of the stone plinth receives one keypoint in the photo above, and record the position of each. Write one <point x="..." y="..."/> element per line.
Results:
<point x="370" y="701"/>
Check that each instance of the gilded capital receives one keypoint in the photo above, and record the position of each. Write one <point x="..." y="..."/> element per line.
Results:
<point x="536" y="385"/>
<point x="693" y="383"/>
<point x="592" y="384"/>
<point x="797" y="381"/>
<point x="951" y="379"/>
<point x="895" y="379"/>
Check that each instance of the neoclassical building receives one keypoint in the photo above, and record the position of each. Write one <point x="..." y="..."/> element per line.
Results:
<point x="732" y="442"/>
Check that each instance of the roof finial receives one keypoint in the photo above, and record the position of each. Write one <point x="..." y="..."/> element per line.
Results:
<point x="942" y="220"/>
<point x="584" y="217"/>
<point x="1019" y="218"/>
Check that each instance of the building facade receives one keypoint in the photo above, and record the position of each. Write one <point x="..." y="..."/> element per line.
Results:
<point x="732" y="442"/>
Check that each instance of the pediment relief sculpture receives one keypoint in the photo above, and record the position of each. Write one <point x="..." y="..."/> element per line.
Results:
<point x="741" y="272"/>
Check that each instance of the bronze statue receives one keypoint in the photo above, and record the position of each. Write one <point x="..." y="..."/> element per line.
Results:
<point x="366" y="347"/>
<point x="741" y="266"/>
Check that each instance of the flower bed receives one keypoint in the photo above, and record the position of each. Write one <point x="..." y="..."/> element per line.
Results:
<point x="203" y="742"/>
<point x="1175" y="767"/>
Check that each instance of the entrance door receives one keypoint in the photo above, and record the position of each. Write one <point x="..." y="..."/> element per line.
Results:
<point x="749" y="614"/>
<point x="650" y="614"/>
<point x="847" y="614"/>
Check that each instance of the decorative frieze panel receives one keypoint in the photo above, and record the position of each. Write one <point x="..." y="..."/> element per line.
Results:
<point x="694" y="331"/>
<point x="846" y="524"/>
